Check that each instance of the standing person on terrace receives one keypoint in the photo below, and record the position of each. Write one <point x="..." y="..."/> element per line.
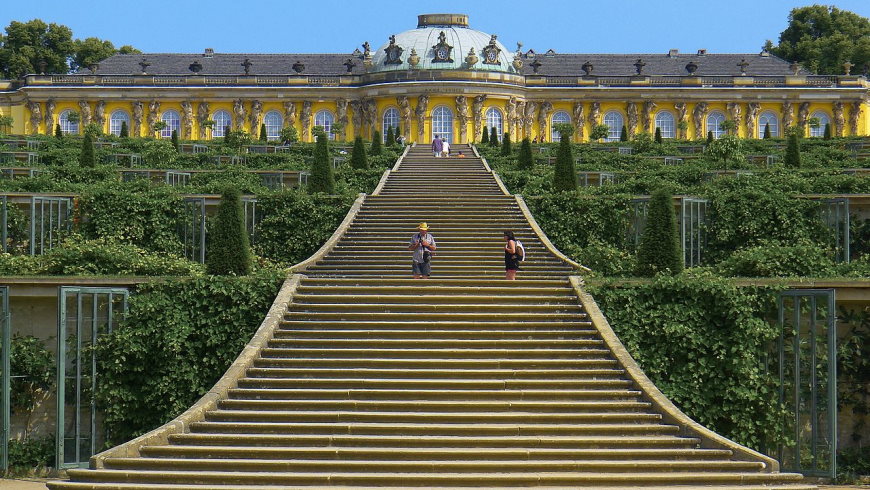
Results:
<point x="511" y="256"/>
<point x="437" y="146"/>
<point x="422" y="244"/>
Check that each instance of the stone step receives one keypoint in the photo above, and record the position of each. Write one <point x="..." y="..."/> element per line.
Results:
<point x="441" y="406"/>
<point x="362" y="290"/>
<point x="428" y="316"/>
<point x="554" y="283"/>
<point x="434" y="363"/>
<point x="431" y="384"/>
<point x="338" y="417"/>
<point x="442" y="353"/>
<point x="409" y="334"/>
<point x="432" y="305"/>
<point x="433" y="395"/>
<point x="216" y="486"/>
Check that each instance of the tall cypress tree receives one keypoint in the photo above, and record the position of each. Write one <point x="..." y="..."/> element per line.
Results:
<point x="827" y="135"/>
<point x="263" y="134"/>
<point x="564" y="175"/>
<point x="767" y="134"/>
<point x="493" y="137"/>
<point x="658" y="136"/>
<point x="376" y="148"/>
<point x="229" y="250"/>
<point x="87" y="158"/>
<point x="57" y="132"/>
<point x="484" y="137"/>
<point x="505" y="144"/>
<point x="659" y="249"/>
<point x="525" y="160"/>
<point x="391" y="138"/>
<point x="793" y="151"/>
<point x="623" y="133"/>
<point x="709" y="137"/>
<point x="125" y="133"/>
<point x="175" y="139"/>
<point x="358" y="158"/>
<point x="322" y="177"/>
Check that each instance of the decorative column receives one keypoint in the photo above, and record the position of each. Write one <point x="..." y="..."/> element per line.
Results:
<point x="631" y="113"/>
<point x="239" y="115"/>
<point x="35" y="109"/>
<point x="543" y="116"/>
<point x="647" y="116"/>
<point x="136" y="120"/>
<point x="420" y="112"/>
<point x="305" y="118"/>
<point x="787" y="115"/>
<point x="153" y="114"/>
<point x="462" y="117"/>
<point x="477" y="114"/>
<point x="753" y="108"/>
<point x="186" y="120"/>
<point x="578" y="121"/>
<point x="405" y="115"/>
<point x="49" y="116"/>
<point x="734" y="111"/>
<point x="341" y="115"/>
<point x="254" y="118"/>
<point x="682" y="120"/>
<point x="698" y="115"/>
<point x="854" y="114"/>
<point x="202" y="115"/>
<point x="100" y="115"/>
<point x="85" y="113"/>
<point x="839" y="119"/>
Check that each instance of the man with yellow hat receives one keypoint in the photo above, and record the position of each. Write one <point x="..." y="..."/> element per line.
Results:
<point x="422" y="244"/>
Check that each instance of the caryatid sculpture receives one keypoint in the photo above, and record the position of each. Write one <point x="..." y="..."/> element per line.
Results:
<point x="577" y="119"/>
<point x="787" y="115"/>
<point x="357" y="116"/>
<point x="752" y="110"/>
<point x="698" y="115"/>
<point x="839" y="119"/>
<point x="239" y="114"/>
<point x="289" y="114"/>
<point x="136" y="119"/>
<point x="370" y="112"/>
<point x="85" y="113"/>
<point x="854" y="114"/>
<point x="520" y="123"/>
<point x="803" y="114"/>
<point x="153" y="113"/>
<point x="405" y="115"/>
<point x="420" y="112"/>
<point x="50" y="105"/>
<point x="543" y="116"/>
<point x="477" y="115"/>
<point x="202" y="115"/>
<point x="682" y="115"/>
<point x="511" y="115"/>
<point x="186" y="119"/>
<point x="100" y="113"/>
<point x="734" y="111"/>
<point x="462" y="117"/>
<point x="341" y="115"/>
<point x="631" y="114"/>
<point x="649" y="108"/>
<point x="595" y="114"/>
<point x="254" y="117"/>
<point x="35" y="109"/>
<point x="305" y="118"/>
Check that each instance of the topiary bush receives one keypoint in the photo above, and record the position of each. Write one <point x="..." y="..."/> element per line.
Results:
<point x="358" y="158"/>
<point x="525" y="161"/>
<point x="659" y="250"/>
<point x="564" y="174"/>
<point x="87" y="158"/>
<point x="793" y="151"/>
<point x="229" y="251"/>
<point x="484" y="137"/>
<point x="322" y="178"/>
<point x="505" y="144"/>
<point x="377" y="147"/>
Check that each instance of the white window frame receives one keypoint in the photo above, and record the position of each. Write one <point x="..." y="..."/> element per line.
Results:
<point x="325" y="119"/>
<point x="666" y="123"/>
<point x="442" y="123"/>
<point x="495" y="118"/>
<point x="218" y="131"/>
<point x="274" y="121"/>
<point x="389" y="120"/>
<point x="558" y="117"/>
<point x="173" y="122"/>
<point x="67" y="127"/>
<point x="115" y="121"/>
<point x="768" y="117"/>
<point x="614" y="121"/>
<point x="717" y="130"/>
<point x="823" y="118"/>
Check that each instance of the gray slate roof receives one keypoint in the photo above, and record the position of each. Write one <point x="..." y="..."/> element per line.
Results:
<point x="550" y="64"/>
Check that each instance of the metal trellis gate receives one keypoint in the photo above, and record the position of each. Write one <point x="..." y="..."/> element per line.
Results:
<point x="84" y="314"/>
<point x="6" y="376"/>
<point x="191" y="230"/>
<point x="49" y="219"/>
<point x="835" y="215"/>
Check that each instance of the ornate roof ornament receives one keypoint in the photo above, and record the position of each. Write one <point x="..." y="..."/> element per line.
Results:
<point x="638" y="65"/>
<point x="298" y="67"/>
<point x="349" y="64"/>
<point x="442" y="51"/>
<point x="795" y="68"/>
<point x="195" y="67"/>
<point x="472" y="58"/>
<point x="144" y="65"/>
<point x="491" y="52"/>
<point x="413" y="59"/>
<point x="743" y="64"/>
<point x="247" y="66"/>
<point x="518" y="58"/>
<point x="535" y="64"/>
<point x="587" y="68"/>
<point x="691" y="67"/>
<point x="394" y="52"/>
<point x="847" y="67"/>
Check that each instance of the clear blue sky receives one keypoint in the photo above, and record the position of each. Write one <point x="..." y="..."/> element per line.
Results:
<point x="332" y="26"/>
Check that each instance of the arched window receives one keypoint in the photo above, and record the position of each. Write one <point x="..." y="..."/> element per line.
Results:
<point x="391" y="120"/>
<point x="273" y="122"/>
<point x="67" y="127"/>
<point x="222" y="121"/>
<point x="768" y="118"/>
<point x="613" y="120"/>
<point x="442" y="123"/>
<point x="324" y="119"/>
<point x="494" y="119"/>
<point x="560" y="117"/>
<point x="117" y="119"/>
<point x="173" y="123"/>
<point x="665" y="124"/>
<point x="819" y="131"/>
<point x="714" y="123"/>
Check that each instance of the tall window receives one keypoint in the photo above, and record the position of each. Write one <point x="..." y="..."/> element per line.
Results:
<point x="391" y="120"/>
<point x="116" y="120"/>
<point x="768" y="118"/>
<point x="819" y="131"/>
<point x="560" y="117"/>
<point x="273" y="122"/>
<point x="714" y="123"/>
<point x="67" y="127"/>
<point x="442" y="123"/>
<point x="665" y="124"/>
<point x="613" y="120"/>
<point x="324" y="119"/>
<point x="173" y="123"/>
<point x="495" y="120"/>
<point x="222" y="121"/>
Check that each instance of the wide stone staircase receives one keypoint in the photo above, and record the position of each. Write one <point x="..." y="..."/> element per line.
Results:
<point x="374" y="380"/>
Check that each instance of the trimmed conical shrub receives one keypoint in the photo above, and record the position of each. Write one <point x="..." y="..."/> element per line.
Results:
<point x="525" y="160"/>
<point x="709" y="137"/>
<point x="623" y="133"/>
<point x="175" y="139"/>
<point x="493" y="137"/>
<point x="229" y="250"/>
<point x="125" y="133"/>
<point x="767" y="134"/>
<point x="263" y="135"/>
<point x="322" y="178"/>
<point x="505" y="144"/>
<point x="391" y="138"/>
<point x="358" y="158"/>
<point x="57" y="132"/>
<point x="827" y="131"/>
<point x="88" y="158"/>
<point x="484" y="137"/>
<point x="793" y="151"/>
<point x="564" y="175"/>
<point x="658" y="136"/>
<point x="659" y="249"/>
<point x="377" y="147"/>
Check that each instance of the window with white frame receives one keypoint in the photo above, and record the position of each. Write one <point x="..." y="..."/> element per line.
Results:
<point x="494" y="119"/>
<point x="173" y="123"/>
<point x="819" y="130"/>
<point x="613" y="120"/>
<point x="391" y="120"/>
<point x="116" y="120"/>
<point x="273" y="122"/>
<point x="714" y="124"/>
<point x="559" y="117"/>
<point x="768" y="119"/>
<point x="324" y="119"/>
<point x="442" y="123"/>
<point x="66" y="126"/>
<point x="222" y="122"/>
<point x="665" y="124"/>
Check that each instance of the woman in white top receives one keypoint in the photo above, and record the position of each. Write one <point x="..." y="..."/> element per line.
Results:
<point x="445" y="148"/>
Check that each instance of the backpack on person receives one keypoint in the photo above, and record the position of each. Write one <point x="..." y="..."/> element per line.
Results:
<point x="520" y="251"/>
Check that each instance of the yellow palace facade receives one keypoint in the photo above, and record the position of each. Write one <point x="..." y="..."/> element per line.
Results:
<point x="441" y="78"/>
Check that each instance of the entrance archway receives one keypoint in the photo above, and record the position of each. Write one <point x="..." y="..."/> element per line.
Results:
<point x="442" y="123"/>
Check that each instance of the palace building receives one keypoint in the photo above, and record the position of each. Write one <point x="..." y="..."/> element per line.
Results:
<point x="444" y="78"/>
